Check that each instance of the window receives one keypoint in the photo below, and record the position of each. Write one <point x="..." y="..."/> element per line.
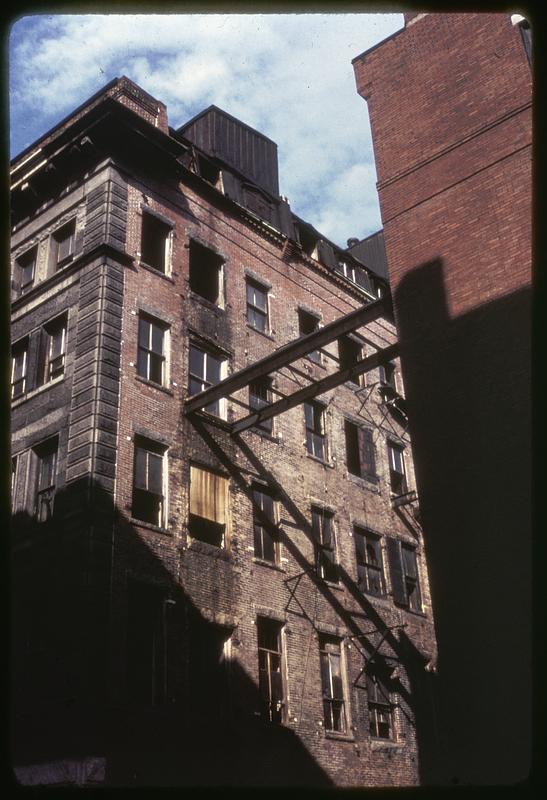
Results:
<point x="206" y="370"/>
<point x="370" y="571"/>
<point x="205" y="273"/>
<point x="357" y="275"/>
<point x="26" y="266"/>
<point x="260" y="395"/>
<point x="270" y="681"/>
<point x="264" y="522"/>
<point x="51" y="356"/>
<point x="387" y="375"/>
<point x="360" y="455"/>
<point x="13" y="481"/>
<point x="63" y="244"/>
<point x="380" y="706"/>
<point x="325" y="546"/>
<point x="46" y="454"/>
<point x="208" y="506"/>
<point x="349" y="352"/>
<point x="348" y="270"/>
<point x="155" y="237"/>
<point x="145" y="644"/>
<point x="332" y="684"/>
<point x="148" y="482"/>
<point x="19" y="354"/>
<point x="151" y="360"/>
<point x="403" y="567"/>
<point x="315" y="429"/>
<point x="257" y="306"/>
<point x="397" y="468"/>
<point x="309" y="323"/>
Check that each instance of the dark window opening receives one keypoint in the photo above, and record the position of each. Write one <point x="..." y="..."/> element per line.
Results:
<point x="325" y="546"/>
<point x="148" y="482"/>
<point x="309" y="323"/>
<point x="370" y="570"/>
<point x="306" y="238"/>
<point x="64" y="241"/>
<point x="387" y="375"/>
<point x="360" y="453"/>
<point x="146" y="660"/>
<point x="315" y="429"/>
<point x="26" y="265"/>
<point x="380" y="706"/>
<point x="405" y="581"/>
<point x="205" y="273"/>
<point x="46" y="454"/>
<point x="19" y="355"/>
<point x="208" y="506"/>
<point x="208" y="673"/>
<point x="332" y="684"/>
<point x="397" y="468"/>
<point x="257" y="306"/>
<point x="151" y="361"/>
<point x="264" y="525"/>
<point x="154" y="242"/>
<point x="270" y="681"/>
<point x="260" y="395"/>
<point x="350" y="352"/>
<point x="205" y="371"/>
<point x="207" y="170"/>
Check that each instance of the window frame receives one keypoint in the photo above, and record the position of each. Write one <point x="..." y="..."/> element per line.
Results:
<point x="347" y="340"/>
<point x="256" y="402"/>
<point x="270" y="714"/>
<point x="220" y="529"/>
<point x="29" y="257"/>
<point x="144" y="493"/>
<point x="406" y="585"/>
<point x="44" y="494"/>
<point x="317" y="430"/>
<point x="328" y="692"/>
<point x="256" y="312"/>
<point x="198" y="250"/>
<point x="69" y="227"/>
<point x="365" y="566"/>
<point x="45" y="368"/>
<point x="305" y="317"/>
<point x="323" y="546"/>
<point x="149" y="354"/>
<point x="376" y="681"/>
<point x="397" y="477"/>
<point x="154" y="219"/>
<point x="260" y="529"/>
<point x="21" y="346"/>
<point x="363" y="441"/>
<point x="203" y="381"/>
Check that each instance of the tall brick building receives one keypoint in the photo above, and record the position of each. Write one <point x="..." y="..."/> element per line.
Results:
<point x="449" y="98"/>
<point x="206" y="591"/>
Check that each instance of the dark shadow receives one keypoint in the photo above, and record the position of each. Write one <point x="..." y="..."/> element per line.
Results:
<point x="113" y="664"/>
<point x="467" y="382"/>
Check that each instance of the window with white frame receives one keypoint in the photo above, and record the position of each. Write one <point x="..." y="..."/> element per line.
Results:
<point x="270" y="674"/>
<point x="316" y="440"/>
<point x="332" y="684"/>
<point x="19" y="359"/>
<point x="397" y="474"/>
<point x="206" y="369"/>
<point x="63" y="242"/>
<point x="257" y="305"/>
<point x="152" y="349"/>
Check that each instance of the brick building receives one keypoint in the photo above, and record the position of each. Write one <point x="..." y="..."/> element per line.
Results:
<point x="449" y="98"/>
<point x="207" y="591"/>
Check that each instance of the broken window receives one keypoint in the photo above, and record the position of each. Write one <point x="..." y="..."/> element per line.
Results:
<point x="208" y="506"/>
<point x="350" y="352"/>
<point x="155" y="236"/>
<point x="332" y="684"/>
<point x="257" y="305"/>
<point x="19" y="355"/>
<point x="315" y="429"/>
<point x="260" y="395"/>
<point x="46" y="454"/>
<point x="151" y="359"/>
<point x="403" y="567"/>
<point x="52" y="350"/>
<point x="205" y="273"/>
<point x="206" y="370"/>
<point x="148" y="482"/>
<point x="26" y="266"/>
<point x="325" y="546"/>
<point x="370" y="571"/>
<point x="387" y="375"/>
<point x="380" y="706"/>
<point x="270" y="681"/>
<point x="309" y="323"/>
<point x="360" y="454"/>
<point x="265" y="529"/>
<point x="145" y="644"/>
<point x="397" y="468"/>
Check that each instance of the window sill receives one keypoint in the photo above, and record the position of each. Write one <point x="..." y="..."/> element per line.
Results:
<point x="29" y="395"/>
<point x="262" y="333"/>
<point x="388" y="744"/>
<point x="339" y="737"/>
<point x="366" y="483"/>
<point x="265" y="435"/>
<point x="332" y="584"/>
<point x="154" y="385"/>
<point x="270" y="564"/>
<point x="204" y="302"/>
<point x="197" y="546"/>
<point x="321" y="461"/>
<point x="155" y="271"/>
<point x="148" y="525"/>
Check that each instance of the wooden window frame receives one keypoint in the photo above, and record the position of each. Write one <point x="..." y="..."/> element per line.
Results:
<point x="19" y="384"/>
<point x="366" y="567"/>
<point x="265" y="531"/>
<point x="219" y="407"/>
<point x="260" y="395"/>
<point x="46" y="454"/>
<point x="360" y="452"/>
<point x="258" y="315"/>
<point x="149" y="359"/>
<point x="309" y="323"/>
<point x="326" y="564"/>
<point x="148" y="492"/>
<point x="380" y="705"/>
<point x="271" y="682"/>
<point x="397" y="477"/>
<point x="64" y="238"/>
<point x="164" y="232"/>
<point x="208" y="515"/>
<point x="335" y="718"/>
<point x="203" y="259"/>
<point x="315" y="430"/>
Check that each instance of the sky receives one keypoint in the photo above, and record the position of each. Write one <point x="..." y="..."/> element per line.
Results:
<point x="287" y="75"/>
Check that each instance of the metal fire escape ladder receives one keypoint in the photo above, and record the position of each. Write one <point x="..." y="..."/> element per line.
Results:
<point x="284" y="357"/>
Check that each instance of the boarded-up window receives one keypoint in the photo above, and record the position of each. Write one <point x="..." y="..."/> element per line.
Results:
<point x="208" y="506"/>
<point x="325" y="548"/>
<point x="270" y="680"/>
<point x="332" y="684"/>
<point x="148" y="482"/>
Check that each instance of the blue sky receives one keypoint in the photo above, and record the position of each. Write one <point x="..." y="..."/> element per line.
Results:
<point x="288" y="75"/>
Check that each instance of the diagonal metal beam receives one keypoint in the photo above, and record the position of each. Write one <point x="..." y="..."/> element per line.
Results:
<point x="316" y="388"/>
<point x="287" y="353"/>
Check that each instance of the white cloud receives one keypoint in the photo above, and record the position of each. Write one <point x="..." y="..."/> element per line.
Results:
<point x="289" y="76"/>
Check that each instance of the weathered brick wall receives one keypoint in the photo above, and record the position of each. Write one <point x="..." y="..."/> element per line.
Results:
<point x="450" y="106"/>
